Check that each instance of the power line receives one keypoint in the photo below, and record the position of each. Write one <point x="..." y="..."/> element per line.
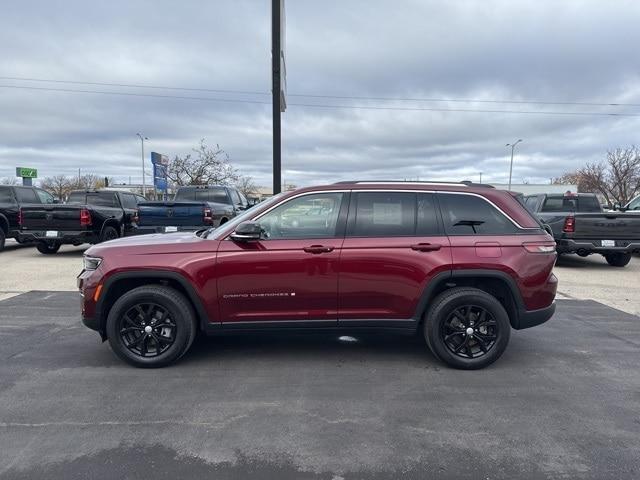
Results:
<point x="341" y="97"/>
<point x="312" y="105"/>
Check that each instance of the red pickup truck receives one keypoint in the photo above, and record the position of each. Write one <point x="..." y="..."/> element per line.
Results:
<point x="459" y="262"/>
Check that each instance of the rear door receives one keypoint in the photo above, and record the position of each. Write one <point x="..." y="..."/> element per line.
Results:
<point x="291" y="275"/>
<point x="393" y="248"/>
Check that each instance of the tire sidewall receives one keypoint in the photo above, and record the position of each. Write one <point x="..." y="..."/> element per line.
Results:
<point x="3" y="239"/>
<point x="441" y="311"/>
<point x="103" y="236"/>
<point x="48" y="248"/>
<point x="130" y="299"/>
<point x="618" y="259"/>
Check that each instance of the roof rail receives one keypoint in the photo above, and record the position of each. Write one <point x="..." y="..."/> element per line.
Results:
<point x="465" y="183"/>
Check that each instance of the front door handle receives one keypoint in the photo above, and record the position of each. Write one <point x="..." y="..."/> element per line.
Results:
<point x="318" y="249"/>
<point x="426" y="247"/>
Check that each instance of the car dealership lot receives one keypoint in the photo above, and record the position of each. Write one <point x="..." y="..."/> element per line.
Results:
<point x="561" y="402"/>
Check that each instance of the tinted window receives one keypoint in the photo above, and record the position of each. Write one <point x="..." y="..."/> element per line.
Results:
<point x="45" y="197"/>
<point x="471" y="215"/>
<point x="140" y="199"/>
<point x="633" y="205"/>
<point x="427" y="215"/>
<point x="186" y="194"/>
<point x="77" y="198"/>
<point x="309" y="216"/>
<point x="384" y="214"/>
<point x="243" y="199"/>
<point x="235" y="198"/>
<point x="102" y="199"/>
<point x="561" y="203"/>
<point x="26" y="195"/>
<point x="128" y="200"/>
<point x="6" y="196"/>
<point x="530" y="203"/>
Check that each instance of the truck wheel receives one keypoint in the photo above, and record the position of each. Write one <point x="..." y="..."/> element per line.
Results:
<point x="3" y="239"/>
<point x="618" y="259"/>
<point x="151" y="326"/>
<point x="467" y="328"/>
<point x="48" y="248"/>
<point x="108" y="233"/>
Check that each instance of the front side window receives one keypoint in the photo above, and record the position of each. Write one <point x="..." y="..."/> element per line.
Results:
<point x="635" y="204"/>
<point x="128" y="200"/>
<point x="308" y="216"/>
<point x="45" y="197"/>
<point x="472" y="215"/>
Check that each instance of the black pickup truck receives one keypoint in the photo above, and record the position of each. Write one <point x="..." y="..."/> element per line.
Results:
<point x="89" y="216"/>
<point x="580" y="226"/>
<point x="192" y="208"/>
<point x="11" y="199"/>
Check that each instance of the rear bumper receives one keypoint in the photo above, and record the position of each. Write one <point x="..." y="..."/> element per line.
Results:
<point x="531" y="318"/>
<point x="162" y="229"/>
<point x="569" y="245"/>
<point x="62" y="237"/>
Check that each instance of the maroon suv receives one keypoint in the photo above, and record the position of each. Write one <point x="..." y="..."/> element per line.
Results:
<point x="462" y="263"/>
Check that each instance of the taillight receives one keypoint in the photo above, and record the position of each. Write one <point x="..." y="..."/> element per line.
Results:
<point x="20" y="217"/>
<point x="540" y="247"/>
<point x="85" y="217"/>
<point x="569" y="224"/>
<point x="207" y="216"/>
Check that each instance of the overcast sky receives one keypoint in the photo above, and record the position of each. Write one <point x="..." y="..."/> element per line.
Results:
<point x="569" y="51"/>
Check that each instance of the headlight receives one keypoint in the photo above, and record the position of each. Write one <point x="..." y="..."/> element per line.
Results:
<point x="91" y="263"/>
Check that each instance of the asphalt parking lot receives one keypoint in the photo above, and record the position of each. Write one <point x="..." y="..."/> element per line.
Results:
<point x="563" y="401"/>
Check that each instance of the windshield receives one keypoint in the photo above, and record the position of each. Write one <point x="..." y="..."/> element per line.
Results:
<point x="230" y="226"/>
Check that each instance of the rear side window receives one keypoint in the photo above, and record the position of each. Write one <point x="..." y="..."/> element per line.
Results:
<point x="78" y="198"/>
<point x="472" y="215"/>
<point x="102" y="199"/>
<point x="26" y="195"/>
<point x="6" y="196"/>
<point x="393" y="214"/>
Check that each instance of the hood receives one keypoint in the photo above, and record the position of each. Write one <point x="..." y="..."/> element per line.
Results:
<point x="155" y="243"/>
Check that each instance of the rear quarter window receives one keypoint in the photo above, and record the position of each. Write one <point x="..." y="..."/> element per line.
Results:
<point x="473" y="215"/>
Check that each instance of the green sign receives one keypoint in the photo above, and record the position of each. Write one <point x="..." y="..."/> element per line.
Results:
<point x="26" y="172"/>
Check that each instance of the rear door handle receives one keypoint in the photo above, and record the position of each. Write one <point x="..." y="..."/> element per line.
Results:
<point x="426" y="247"/>
<point x="318" y="249"/>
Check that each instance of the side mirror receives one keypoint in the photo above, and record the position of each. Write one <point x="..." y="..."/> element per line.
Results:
<point x="247" y="232"/>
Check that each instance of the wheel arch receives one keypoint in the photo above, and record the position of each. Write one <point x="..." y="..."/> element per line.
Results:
<point x="111" y="222"/>
<point x="122" y="282"/>
<point x="496" y="283"/>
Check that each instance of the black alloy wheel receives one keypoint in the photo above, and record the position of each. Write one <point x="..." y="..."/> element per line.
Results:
<point x="147" y="330"/>
<point x="469" y="331"/>
<point x="109" y="233"/>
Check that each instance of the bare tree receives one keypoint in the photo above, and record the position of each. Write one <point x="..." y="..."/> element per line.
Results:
<point x="8" y="181"/>
<point x="617" y="178"/>
<point x="246" y="185"/>
<point x="206" y="166"/>
<point x="58" y="185"/>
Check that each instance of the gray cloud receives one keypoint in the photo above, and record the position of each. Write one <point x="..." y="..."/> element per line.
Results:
<point x="547" y="50"/>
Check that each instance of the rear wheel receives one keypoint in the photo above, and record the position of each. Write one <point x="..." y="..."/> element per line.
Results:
<point x="48" y="248"/>
<point x="151" y="326"/>
<point x="467" y="328"/>
<point x="108" y="233"/>
<point x="618" y="259"/>
<point x="3" y="239"/>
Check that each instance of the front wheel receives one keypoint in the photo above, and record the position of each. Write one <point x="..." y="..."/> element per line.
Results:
<point x="467" y="328"/>
<point x="108" y="233"/>
<point x="151" y="326"/>
<point x="48" y="248"/>
<point x="618" y="259"/>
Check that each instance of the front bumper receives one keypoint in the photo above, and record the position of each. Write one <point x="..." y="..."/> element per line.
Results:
<point x="61" y="237"/>
<point x="569" y="245"/>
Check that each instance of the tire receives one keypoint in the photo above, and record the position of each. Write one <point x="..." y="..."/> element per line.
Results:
<point x="445" y="332"/>
<point x="108" y="233"/>
<point x="618" y="259"/>
<point x="3" y="239"/>
<point x="132" y="345"/>
<point x="48" y="248"/>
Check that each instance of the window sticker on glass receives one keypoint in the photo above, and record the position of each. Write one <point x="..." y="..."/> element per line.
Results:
<point x="387" y="214"/>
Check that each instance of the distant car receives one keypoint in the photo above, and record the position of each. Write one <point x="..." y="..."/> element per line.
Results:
<point x="462" y="264"/>
<point x="89" y="216"/>
<point x="11" y="199"/>
<point x="580" y="226"/>
<point x="193" y="208"/>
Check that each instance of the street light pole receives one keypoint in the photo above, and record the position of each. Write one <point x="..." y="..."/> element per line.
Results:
<point x="513" y="146"/>
<point x="144" y="183"/>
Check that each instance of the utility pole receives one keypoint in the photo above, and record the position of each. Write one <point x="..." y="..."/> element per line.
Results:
<point x="144" y="183"/>
<point x="480" y="177"/>
<point x="278" y="83"/>
<point x="513" y="146"/>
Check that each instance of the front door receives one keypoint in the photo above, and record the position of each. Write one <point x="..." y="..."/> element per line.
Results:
<point x="393" y="248"/>
<point x="291" y="275"/>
